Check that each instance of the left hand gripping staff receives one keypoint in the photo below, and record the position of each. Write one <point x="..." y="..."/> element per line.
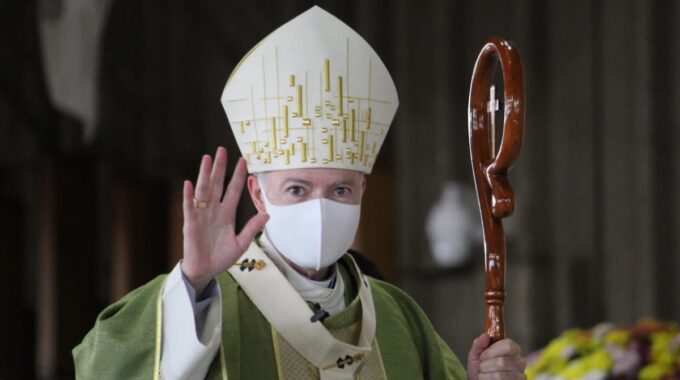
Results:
<point x="490" y="168"/>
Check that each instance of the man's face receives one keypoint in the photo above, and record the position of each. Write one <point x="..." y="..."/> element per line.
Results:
<point x="286" y="187"/>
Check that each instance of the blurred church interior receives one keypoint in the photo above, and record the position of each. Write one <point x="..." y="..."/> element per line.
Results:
<point x="107" y="105"/>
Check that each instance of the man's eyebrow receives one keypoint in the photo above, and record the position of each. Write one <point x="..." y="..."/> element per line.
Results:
<point x="344" y="182"/>
<point x="297" y="180"/>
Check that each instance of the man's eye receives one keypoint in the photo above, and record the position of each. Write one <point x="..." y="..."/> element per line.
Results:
<point x="295" y="190"/>
<point x="341" y="191"/>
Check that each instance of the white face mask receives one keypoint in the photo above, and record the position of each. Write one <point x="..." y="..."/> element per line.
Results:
<point x="313" y="234"/>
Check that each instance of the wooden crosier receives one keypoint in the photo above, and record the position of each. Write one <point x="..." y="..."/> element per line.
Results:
<point x="490" y="169"/>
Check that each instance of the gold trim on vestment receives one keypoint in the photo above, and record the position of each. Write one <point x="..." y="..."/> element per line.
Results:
<point x="277" y="353"/>
<point x="159" y="340"/>
<point x="223" y="361"/>
<point x="377" y="351"/>
<point x="159" y="333"/>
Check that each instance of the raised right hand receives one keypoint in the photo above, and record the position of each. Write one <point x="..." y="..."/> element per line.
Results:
<point x="211" y="244"/>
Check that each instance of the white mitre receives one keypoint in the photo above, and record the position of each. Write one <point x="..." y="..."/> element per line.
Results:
<point x="312" y="94"/>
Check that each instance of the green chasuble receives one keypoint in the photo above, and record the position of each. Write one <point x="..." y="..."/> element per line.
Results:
<point x="125" y="341"/>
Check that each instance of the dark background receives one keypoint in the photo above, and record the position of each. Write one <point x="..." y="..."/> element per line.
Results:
<point x="595" y="236"/>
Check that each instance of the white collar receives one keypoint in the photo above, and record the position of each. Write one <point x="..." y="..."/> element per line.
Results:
<point x="329" y="294"/>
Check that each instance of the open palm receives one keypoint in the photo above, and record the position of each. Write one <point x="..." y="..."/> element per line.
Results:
<point x="211" y="244"/>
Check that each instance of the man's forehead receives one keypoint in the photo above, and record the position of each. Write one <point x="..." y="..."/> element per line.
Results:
<point x="314" y="175"/>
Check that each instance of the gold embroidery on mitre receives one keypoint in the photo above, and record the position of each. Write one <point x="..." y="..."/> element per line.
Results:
<point x="336" y="120"/>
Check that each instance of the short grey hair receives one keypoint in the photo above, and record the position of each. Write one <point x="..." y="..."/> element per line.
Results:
<point x="261" y="177"/>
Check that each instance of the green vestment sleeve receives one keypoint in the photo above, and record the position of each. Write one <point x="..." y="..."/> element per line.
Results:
<point x="409" y="346"/>
<point x="122" y="343"/>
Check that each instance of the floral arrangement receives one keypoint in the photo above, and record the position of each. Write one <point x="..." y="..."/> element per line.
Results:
<point x="649" y="350"/>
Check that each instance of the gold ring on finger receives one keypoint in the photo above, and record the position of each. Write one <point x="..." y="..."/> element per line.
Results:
<point x="200" y="204"/>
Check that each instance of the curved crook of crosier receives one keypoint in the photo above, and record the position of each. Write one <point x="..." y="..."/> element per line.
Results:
<point x="494" y="190"/>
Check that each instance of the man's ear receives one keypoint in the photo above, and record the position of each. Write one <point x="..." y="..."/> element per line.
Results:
<point x="255" y="193"/>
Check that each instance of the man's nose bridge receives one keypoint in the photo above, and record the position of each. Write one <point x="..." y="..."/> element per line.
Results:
<point x="318" y="192"/>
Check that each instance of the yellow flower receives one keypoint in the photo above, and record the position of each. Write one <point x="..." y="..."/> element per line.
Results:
<point x="554" y="358"/>
<point x="654" y="371"/>
<point x="598" y="360"/>
<point x="577" y="353"/>
<point x="662" y="350"/>
<point x="618" y="337"/>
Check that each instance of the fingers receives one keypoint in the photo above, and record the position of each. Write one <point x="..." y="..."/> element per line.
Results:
<point x="502" y="376"/>
<point x="502" y="364"/>
<point x="203" y="182"/>
<point x="501" y="360"/>
<point x="236" y="183"/>
<point x="478" y="346"/>
<point x="505" y="347"/>
<point x="188" y="202"/>
<point x="217" y="176"/>
<point x="210" y="183"/>
<point x="254" y="225"/>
